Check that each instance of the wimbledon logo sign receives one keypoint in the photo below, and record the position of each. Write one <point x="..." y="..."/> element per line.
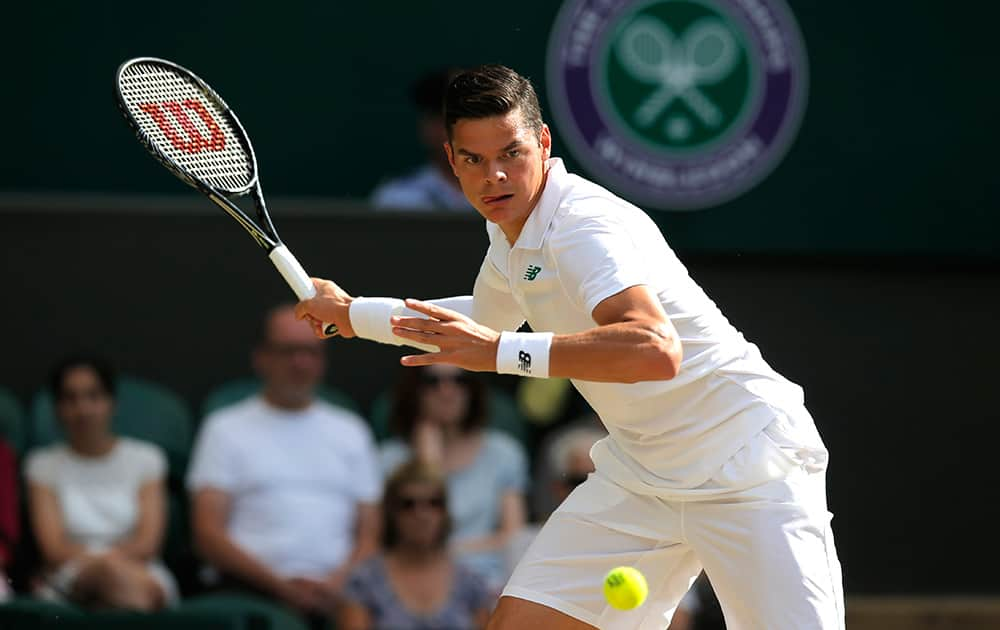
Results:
<point x="677" y="104"/>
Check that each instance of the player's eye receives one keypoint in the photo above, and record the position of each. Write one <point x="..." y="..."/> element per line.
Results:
<point x="513" y="153"/>
<point x="472" y="159"/>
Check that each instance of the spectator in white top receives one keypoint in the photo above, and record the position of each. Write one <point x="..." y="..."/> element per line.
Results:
<point x="285" y="486"/>
<point x="433" y="186"/>
<point x="98" y="501"/>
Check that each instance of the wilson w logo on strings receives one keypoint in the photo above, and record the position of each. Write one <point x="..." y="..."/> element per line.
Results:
<point x="192" y="140"/>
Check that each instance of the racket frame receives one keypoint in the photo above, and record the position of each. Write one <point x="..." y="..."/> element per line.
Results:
<point x="262" y="231"/>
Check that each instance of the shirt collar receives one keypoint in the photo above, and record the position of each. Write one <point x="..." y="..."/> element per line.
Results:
<point x="541" y="215"/>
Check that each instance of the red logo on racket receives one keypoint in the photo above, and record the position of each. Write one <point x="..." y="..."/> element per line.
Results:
<point x="195" y="142"/>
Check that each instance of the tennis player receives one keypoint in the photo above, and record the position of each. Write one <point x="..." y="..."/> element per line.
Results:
<point x="712" y="460"/>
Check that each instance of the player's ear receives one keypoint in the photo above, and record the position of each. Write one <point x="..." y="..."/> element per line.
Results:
<point x="545" y="140"/>
<point x="451" y="156"/>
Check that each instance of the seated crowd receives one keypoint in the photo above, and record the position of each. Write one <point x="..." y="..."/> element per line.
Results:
<point x="290" y="497"/>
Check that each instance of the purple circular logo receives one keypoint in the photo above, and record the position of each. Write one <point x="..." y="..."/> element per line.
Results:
<point x="677" y="104"/>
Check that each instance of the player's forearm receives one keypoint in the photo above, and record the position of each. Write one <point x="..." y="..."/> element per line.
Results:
<point x="370" y="317"/>
<point x="626" y="352"/>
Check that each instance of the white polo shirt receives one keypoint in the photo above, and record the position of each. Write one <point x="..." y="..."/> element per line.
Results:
<point x="582" y="244"/>
<point x="294" y="478"/>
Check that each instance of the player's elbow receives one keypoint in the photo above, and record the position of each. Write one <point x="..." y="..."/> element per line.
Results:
<point x="668" y="358"/>
<point x="662" y="356"/>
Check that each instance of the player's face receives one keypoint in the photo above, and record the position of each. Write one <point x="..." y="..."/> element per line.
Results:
<point x="84" y="407"/>
<point x="500" y="163"/>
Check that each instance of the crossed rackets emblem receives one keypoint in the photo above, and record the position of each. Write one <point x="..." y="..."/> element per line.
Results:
<point x="705" y="54"/>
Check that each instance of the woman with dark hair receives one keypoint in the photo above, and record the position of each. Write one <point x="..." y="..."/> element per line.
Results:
<point x="414" y="584"/>
<point x="97" y="501"/>
<point x="439" y="417"/>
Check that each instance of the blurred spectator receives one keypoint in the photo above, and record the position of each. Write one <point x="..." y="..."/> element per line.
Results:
<point x="98" y="501"/>
<point x="10" y="523"/>
<point x="563" y="461"/>
<point x="284" y="485"/>
<point x="439" y="417"/>
<point x="569" y="457"/>
<point x="433" y="186"/>
<point x="414" y="584"/>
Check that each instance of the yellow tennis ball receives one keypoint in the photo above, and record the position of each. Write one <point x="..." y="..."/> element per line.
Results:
<point x="625" y="588"/>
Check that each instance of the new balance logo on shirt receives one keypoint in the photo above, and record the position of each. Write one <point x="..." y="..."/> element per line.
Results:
<point x="532" y="272"/>
<point x="524" y="361"/>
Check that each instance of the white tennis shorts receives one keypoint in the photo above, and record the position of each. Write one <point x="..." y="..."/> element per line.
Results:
<point x="767" y="547"/>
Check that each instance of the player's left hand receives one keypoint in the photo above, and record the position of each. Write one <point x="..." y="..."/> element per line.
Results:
<point x="462" y="341"/>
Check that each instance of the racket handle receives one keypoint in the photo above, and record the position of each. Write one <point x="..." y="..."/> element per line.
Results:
<point x="298" y="279"/>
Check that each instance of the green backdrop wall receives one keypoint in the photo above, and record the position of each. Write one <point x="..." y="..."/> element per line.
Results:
<point x="895" y="154"/>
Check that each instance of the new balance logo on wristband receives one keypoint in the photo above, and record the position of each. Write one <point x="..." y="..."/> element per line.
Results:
<point x="532" y="272"/>
<point x="524" y="362"/>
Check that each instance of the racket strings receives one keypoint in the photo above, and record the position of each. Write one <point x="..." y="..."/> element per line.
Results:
<point x="176" y="116"/>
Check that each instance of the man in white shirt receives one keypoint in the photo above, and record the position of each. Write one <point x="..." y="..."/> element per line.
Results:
<point x="285" y="486"/>
<point x="712" y="460"/>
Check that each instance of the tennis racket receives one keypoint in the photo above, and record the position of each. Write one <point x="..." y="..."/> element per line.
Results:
<point x="185" y="125"/>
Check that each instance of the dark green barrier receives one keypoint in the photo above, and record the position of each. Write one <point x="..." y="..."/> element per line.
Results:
<point x="895" y="153"/>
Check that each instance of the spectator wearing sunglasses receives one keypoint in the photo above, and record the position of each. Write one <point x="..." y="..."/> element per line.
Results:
<point x="439" y="417"/>
<point x="414" y="584"/>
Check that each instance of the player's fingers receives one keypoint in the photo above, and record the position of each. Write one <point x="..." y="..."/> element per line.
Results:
<point x="431" y="358"/>
<point x="435" y="311"/>
<point x="418" y="335"/>
<point x="302" y="309"/>
<point x="417" y="323"/>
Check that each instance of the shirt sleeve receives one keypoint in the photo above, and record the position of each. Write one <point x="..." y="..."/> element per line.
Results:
<point x="40" y="467"/>
<point x="596" y="258"/>
<point x="512" y="464"/>
<point x="150" y="462"/>
<point x="214" y="460"/>
<point x="493" y="305"/>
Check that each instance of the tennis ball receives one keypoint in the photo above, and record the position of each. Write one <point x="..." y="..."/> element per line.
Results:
<point x="625" y="588"/>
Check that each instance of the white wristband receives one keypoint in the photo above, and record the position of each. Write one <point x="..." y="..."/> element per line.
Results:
<point x="370" y="320"/>
<point x="524" y="354"/>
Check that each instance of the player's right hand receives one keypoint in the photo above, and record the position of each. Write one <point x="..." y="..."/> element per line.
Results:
<point x="331" y="304"/>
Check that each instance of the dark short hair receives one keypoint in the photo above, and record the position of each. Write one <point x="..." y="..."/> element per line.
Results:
<point x="491" y="90"/>
<point x="405" y="405"/>
<point x="100" y="366"/>
<point x="412" y="472"/>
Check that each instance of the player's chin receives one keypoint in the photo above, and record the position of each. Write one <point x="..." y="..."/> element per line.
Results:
<point x="501" y="214"/>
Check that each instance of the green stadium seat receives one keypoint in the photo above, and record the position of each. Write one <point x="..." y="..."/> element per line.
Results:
<point x="263" y="613"/>
<point x="213" y="612"/>
<point x="145" y="411"/>
<point x="27" y="613"/>
<point x="11" y="420"/>
<point x="503" y="414"/>
<point x="236" y="390"/>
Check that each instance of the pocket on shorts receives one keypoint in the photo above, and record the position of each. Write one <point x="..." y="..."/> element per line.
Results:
<point x="794" y="435"/>
<point x="788" y="443"/>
